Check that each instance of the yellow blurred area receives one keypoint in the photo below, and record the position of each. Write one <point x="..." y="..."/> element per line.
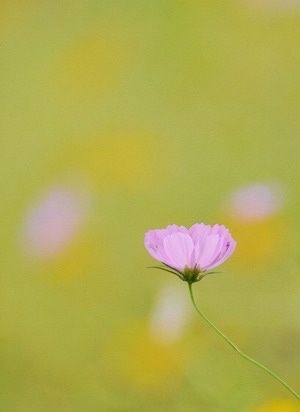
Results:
<point x="13" y="13"/>
<point x="120" y="117"/>
<point x="277" y="405"/>
<point x="90" y="66"/>
<point x="259" y="242"/>
<point x="79" y="259"/>
<point x="145" y="363"/>
<point x="121" y="160"/>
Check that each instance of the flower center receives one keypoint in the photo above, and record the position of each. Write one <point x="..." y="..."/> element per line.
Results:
<point x="191" y="275"/>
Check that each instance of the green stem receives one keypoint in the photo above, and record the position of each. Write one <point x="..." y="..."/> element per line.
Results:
<point x="242" y="354"/>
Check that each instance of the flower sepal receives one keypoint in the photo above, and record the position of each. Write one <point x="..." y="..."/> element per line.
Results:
<point x="188" y="275"/>
<point x="193" y="275"/>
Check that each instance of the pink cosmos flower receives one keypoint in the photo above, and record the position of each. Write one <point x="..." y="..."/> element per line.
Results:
<point x="188" y="253"/>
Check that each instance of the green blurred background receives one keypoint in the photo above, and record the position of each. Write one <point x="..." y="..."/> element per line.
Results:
<point x="122" y="116"/>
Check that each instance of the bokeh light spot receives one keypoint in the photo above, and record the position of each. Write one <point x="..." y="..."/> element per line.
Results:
<point x="122" y="160"/>
<point x="256" y="202"/>
<point x="277" y="405"/>
<point x="81" y="258"/>
<point x="90" y="66"/>
<point x="258" y="242"/>
<point x="52" y="223"/>
<point x="145" y="362"/>
<point x="170" y="315"/>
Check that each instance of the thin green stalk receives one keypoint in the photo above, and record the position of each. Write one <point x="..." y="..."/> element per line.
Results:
<point x="242" y="354"/>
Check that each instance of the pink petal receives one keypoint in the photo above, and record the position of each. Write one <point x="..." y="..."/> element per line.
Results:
<point x="154" y="243"/>
<point x="178" y="249"/>
<point x="199" y="231"/>
<point x="225" y="254"/>
<point x="210" y="250"/>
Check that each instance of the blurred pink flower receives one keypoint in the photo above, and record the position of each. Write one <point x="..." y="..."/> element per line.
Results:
<point x="54" y="222"/>
<point x="256" y="202"/>
<point x="190" y="252"/>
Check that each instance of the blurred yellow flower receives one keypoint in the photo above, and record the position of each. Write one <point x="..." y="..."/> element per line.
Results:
<point x="141" y="361"/>
<point x="121" y="160"/>
<point x="279" y="405"/>
<point x="79" y="259"/>
<point x="90" y="66"/>
<point x="258" y="241"/>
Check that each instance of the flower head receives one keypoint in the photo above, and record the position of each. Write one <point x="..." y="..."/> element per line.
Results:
<point x="189" y="253"/>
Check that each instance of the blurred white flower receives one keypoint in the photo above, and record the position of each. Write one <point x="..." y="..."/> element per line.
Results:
<point x="256" y="202"/>
<point x="54" y="222"/>
<point x="170" y="315"/>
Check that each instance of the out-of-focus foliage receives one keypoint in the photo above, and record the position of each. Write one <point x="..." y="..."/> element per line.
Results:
<point x="120" y="117"/>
